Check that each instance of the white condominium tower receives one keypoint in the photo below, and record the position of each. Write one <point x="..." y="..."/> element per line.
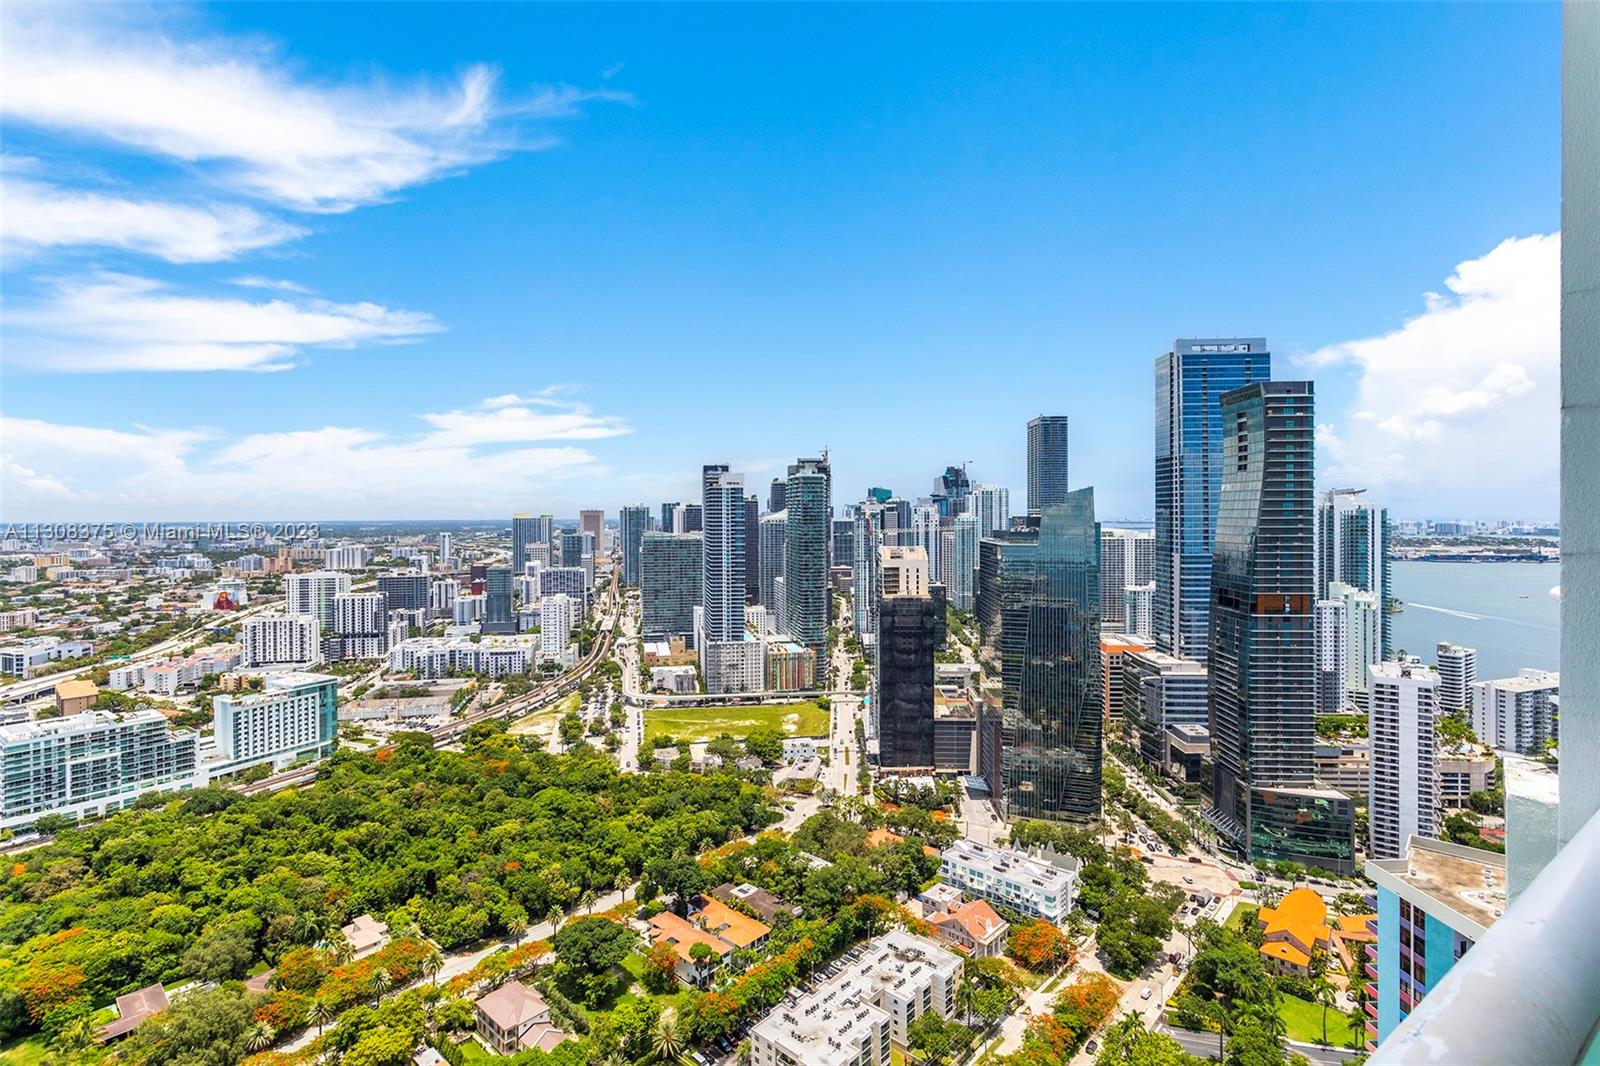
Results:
<point x="1353" y="548"/>
<point x="1403" y="766"/>
<point x="313" y="594"/>
<point x="1517" y="713"/>
<point x="992" y="506"/>
<point x="1458" y="669"/>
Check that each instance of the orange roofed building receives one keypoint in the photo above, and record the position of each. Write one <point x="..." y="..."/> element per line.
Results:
<point x="1293" y="931"/>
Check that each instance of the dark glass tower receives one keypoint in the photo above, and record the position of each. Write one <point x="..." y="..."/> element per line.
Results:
<point x="669" y="583"/>
<point x="632" y="524"/>
<point x="805" y="559"/>
<point x="1190" y="381"/>
<point x="907" y="634"/>
<point x="1047" y="462"/>
<point x="752" y="550"/>
<point x="1039" y="603"/>
<point x="523" y="533"/>
<point x="1263" y="685"/>
<point x="497" y="609"/>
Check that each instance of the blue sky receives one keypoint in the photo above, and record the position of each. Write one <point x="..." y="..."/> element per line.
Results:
<point x="535" y="258"/>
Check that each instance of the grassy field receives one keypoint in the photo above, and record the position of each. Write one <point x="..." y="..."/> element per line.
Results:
<point x="803" y="719"/>
<point x="23" y="1052"/>
<point x="1242" y="916"/>
<point x="1304" y="1019"/>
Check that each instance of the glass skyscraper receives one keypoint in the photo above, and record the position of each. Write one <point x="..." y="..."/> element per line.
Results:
<point x="1047" y="462"/>
<point x="1190" y="381"/>
<point x="498" y="616"/>
<point x="722" y="581"/>
<point x="669" y="583"/>
<point x="632" y="523"/>
<point x="1263" y="654"/>
<point x="807" y="529"/>
<point x="1039" y="604"/>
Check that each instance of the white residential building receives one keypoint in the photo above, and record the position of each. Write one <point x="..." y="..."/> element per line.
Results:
<point x="446" y="549"/>
<point x="1517" y="714"/>
<point x="558" y="617"/>
<point x="91" y="764"/>
<point x="468" y="609"/>
<point x="1363" y="621"/>
<point x="347" y="557"/>
<point x="1458" y="669"/>
<point x="495" y="655"/>
<point x="1333" y="654"/>
<point x="1403" y="756"/>
<point x="857" y="1017"/>
<point x="991" y="505"/>
<point x="360" y="614"/>
<point x="1040" y="885"/>
<point x="295" y="717"/>
<point x="442" y="595"/>
<point x="282" y="640"/>
<point x="168" y="677"/>
<point x="24" y="618"/>
<point x="313" y="594"/>
<point x="1138" y="610"/>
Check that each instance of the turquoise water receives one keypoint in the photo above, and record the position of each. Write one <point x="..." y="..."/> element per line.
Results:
<point x="1505" y="610"/>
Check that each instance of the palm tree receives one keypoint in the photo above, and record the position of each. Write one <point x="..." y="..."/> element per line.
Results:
<point x="667" y="1042"/>
<point x="517" y="928"/>
<point x="382" y="981"/>
<point x="622" y="882"/>
<point x="259" y="1037"/>
<point x="1323" y="991"/>
<point x="77" y="1036"/>
<point x="586" y="901"/>
<point x="554" y="917"/>
<point x="319" y="1012"/>
<point x="1218" y="1012"/>
<point x="310" y="928"/>
<point x="340" y="947"/>
<point x="431" y="964"/>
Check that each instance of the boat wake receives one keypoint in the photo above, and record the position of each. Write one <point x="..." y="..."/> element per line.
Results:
<point x="1445" y="610"/>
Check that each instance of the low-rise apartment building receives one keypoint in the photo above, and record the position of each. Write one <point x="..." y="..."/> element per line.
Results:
<point x="24" y="657"/>
<point x="1039" y="885"/>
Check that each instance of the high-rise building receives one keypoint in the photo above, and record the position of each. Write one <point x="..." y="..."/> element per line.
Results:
<point x="1190" y="381"/>
<point x="752" y="551"/>
<point x="904" y="678"/>
<point x="1333" y="655"/>
<point x="524" y="531"/>
<point x="1263" y="660"/>
<point x="1434" y="903"/>
<point x="1403" y="767"/>
<point x="805" y="559"/>
<point x="347" y="557"/>
<point x="670" y="518"/>
<point x="632" y="524"/>
<point x="1363" y="626"/>
<point x="863" y="578"/>
<point x="1039" y="602"/>
<point x="447" y="551"/>
<point x="296" y="716"/>
<point x="1160" y="691"/>
<point x="952" y="491"/>
<point x="842" y="545"/>
<point x="1126" y="558"/>
<point x="925" y="535"/>
<point x="1139" y="610"/>
<point x="722" y="582"/>
<point x="282" y="640"/>
<point x="962" y="560"/>
<point x="670" y="572"/>
<point x="693" y="517"/>
<point x="775" y="497"/>
<point x="361" y="614"/>
<point x="1518" y="714"/>
<point x="564" y="581"/>
<point x="992" y="506"/>
<point x="771" y="558"/>
<point x="499" y="616"/>
<point x="1353" y="548"/>
<point x="405" y="591"/>
<point x="312" y="594"/>
<point x="91" y="764"/>
<point x="559" y="615"/>
<point x="1047" y="462"/>
<point x="1458" y="669"/>
<point x="594" y="524"/>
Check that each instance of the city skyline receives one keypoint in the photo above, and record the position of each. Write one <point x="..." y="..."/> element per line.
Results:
<point x="607" y="232"/>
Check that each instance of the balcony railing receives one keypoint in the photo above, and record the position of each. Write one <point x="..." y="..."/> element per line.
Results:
<point x="1529" y="991"/>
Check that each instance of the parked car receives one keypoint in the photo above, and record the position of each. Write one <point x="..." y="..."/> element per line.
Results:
<point x="1146" y="993"/>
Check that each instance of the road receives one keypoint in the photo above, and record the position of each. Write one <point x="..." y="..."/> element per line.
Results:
<point x="1205" y="1046"/>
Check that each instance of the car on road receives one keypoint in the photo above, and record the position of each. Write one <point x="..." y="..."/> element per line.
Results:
<point x="1146" y="993"/>
<point x="1188" y="880"/>
<point x="1091" y="1047"/>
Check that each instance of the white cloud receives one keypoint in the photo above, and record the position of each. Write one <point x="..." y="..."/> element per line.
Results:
<point x="1457" y="411"/>
<point x="245" y="117"/>
<point x="43" y="216"/>
<point x="252" y="281"/>
<point x="119" y="322"/>
<point x="60" y="471"/>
